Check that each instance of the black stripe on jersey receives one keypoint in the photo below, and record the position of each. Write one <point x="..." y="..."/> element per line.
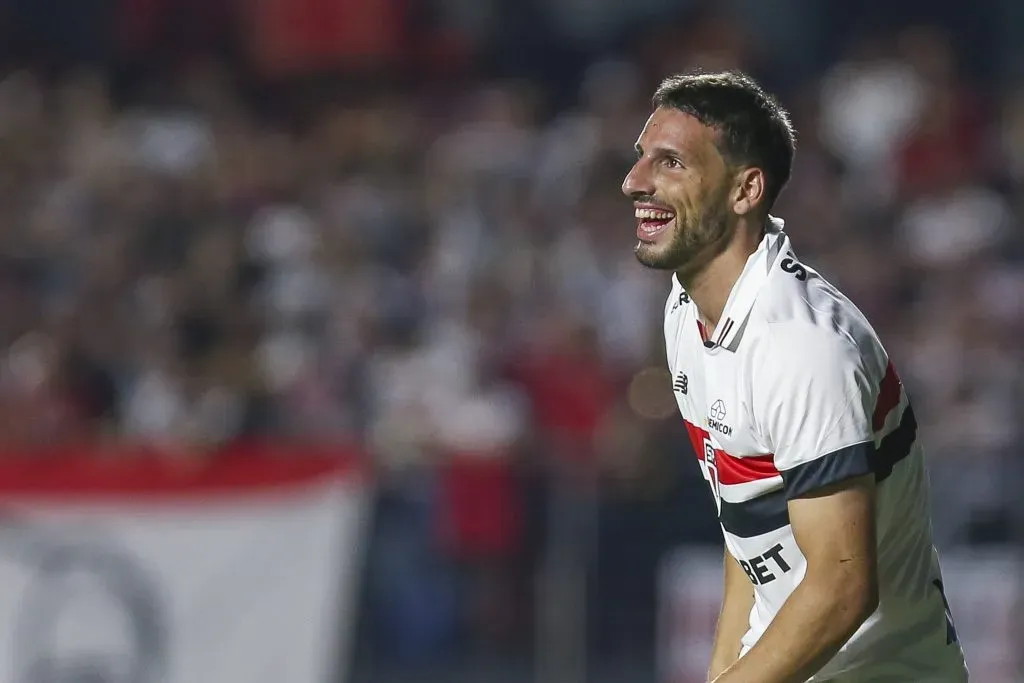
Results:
<point x="845" y="463"/>
<point x="854" y="461"/>
<point x="769" y="512"/>
<point x="726" y="328"/>
<point x="755" y="517"/>
<point x="895" y="446"/>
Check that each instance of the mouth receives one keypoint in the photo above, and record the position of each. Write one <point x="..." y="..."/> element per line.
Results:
<point x="651" y="222"/>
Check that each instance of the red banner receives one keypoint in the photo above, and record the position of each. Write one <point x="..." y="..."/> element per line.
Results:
<point x="290" y="36"/>
<point x="102" y="471"/>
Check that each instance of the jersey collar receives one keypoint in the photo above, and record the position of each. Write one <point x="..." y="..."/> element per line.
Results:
<point x="748" y="286"/>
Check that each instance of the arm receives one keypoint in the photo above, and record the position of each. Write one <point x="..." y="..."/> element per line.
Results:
<point x="835" y="529"/>
<point x="733" y="620"/>
<point x="815" y="395"/>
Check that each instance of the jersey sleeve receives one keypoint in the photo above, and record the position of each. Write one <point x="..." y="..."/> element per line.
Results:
<point x="814" y="396"/>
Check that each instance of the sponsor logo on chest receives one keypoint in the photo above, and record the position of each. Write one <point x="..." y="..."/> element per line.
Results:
<point x="716" y="418"/>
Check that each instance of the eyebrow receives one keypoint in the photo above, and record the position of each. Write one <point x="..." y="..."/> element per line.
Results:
<point x="659" y="151"/>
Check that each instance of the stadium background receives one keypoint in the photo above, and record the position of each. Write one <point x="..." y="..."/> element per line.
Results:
<point x="396" y="225"/>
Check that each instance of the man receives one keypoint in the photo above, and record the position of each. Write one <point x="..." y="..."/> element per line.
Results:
<point x="799" y="421"/>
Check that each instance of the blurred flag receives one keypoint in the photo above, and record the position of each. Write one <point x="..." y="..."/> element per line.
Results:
<point x="138" y="571"/>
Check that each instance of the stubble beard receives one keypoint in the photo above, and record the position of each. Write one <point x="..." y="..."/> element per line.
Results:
<point x="690" y="242"/>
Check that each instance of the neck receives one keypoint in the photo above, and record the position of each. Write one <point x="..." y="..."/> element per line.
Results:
<point x="710" y="281"/>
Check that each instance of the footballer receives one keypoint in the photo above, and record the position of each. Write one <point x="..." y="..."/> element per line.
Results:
<point x="799" y="420"/>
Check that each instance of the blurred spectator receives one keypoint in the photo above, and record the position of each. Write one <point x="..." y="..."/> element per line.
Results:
<point x="441" y="271"/>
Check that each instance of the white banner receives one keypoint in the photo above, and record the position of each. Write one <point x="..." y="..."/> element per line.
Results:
<point x="985" y="591"/>
<point x="211" y="578"/>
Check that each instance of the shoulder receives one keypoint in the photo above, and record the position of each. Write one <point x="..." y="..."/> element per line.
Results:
<point x="808" y="327"/>
<point x="676" y="305"/>
<point x="804" y="318"/>
<point x="677" y="300"/>
<point x="816" y="374"/>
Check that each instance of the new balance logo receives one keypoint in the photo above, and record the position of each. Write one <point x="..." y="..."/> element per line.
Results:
<point x="681" y="384"/>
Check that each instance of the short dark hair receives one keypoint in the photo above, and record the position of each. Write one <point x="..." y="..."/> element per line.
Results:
<point x="754" y="129"/>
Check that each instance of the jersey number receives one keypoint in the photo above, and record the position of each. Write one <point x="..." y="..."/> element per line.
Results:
<point x="951" y="636"/>
<point x="711" y="473"/>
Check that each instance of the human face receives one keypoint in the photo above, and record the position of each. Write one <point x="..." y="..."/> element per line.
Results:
<point x="680" y="187"/>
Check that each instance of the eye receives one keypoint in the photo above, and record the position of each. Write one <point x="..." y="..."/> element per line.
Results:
<point x="672" y="162"/>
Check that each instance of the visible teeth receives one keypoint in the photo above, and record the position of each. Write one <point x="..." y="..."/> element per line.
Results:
<point x="654" y="215"/>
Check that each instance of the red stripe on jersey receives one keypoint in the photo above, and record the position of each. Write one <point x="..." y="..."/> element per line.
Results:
<point x="732" y="469"/>
<point x="696" y="438"/>
<point x="888" y="397"/>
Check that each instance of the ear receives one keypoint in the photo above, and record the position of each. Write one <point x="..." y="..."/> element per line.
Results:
<point x="749" y="193"/>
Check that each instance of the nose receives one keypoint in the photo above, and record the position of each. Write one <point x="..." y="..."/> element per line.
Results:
<point x="637" y="181"/>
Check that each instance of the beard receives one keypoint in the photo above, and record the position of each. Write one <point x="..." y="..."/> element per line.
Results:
<point x="693" y="240"/>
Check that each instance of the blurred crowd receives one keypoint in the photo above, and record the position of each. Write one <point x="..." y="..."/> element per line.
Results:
<point x="444" y="275"/>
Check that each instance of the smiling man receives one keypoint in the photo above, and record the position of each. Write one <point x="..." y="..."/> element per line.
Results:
<point x="798" y="418"/>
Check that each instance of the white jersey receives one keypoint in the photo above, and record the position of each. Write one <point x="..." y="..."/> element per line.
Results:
<point x="795" y="392"/>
